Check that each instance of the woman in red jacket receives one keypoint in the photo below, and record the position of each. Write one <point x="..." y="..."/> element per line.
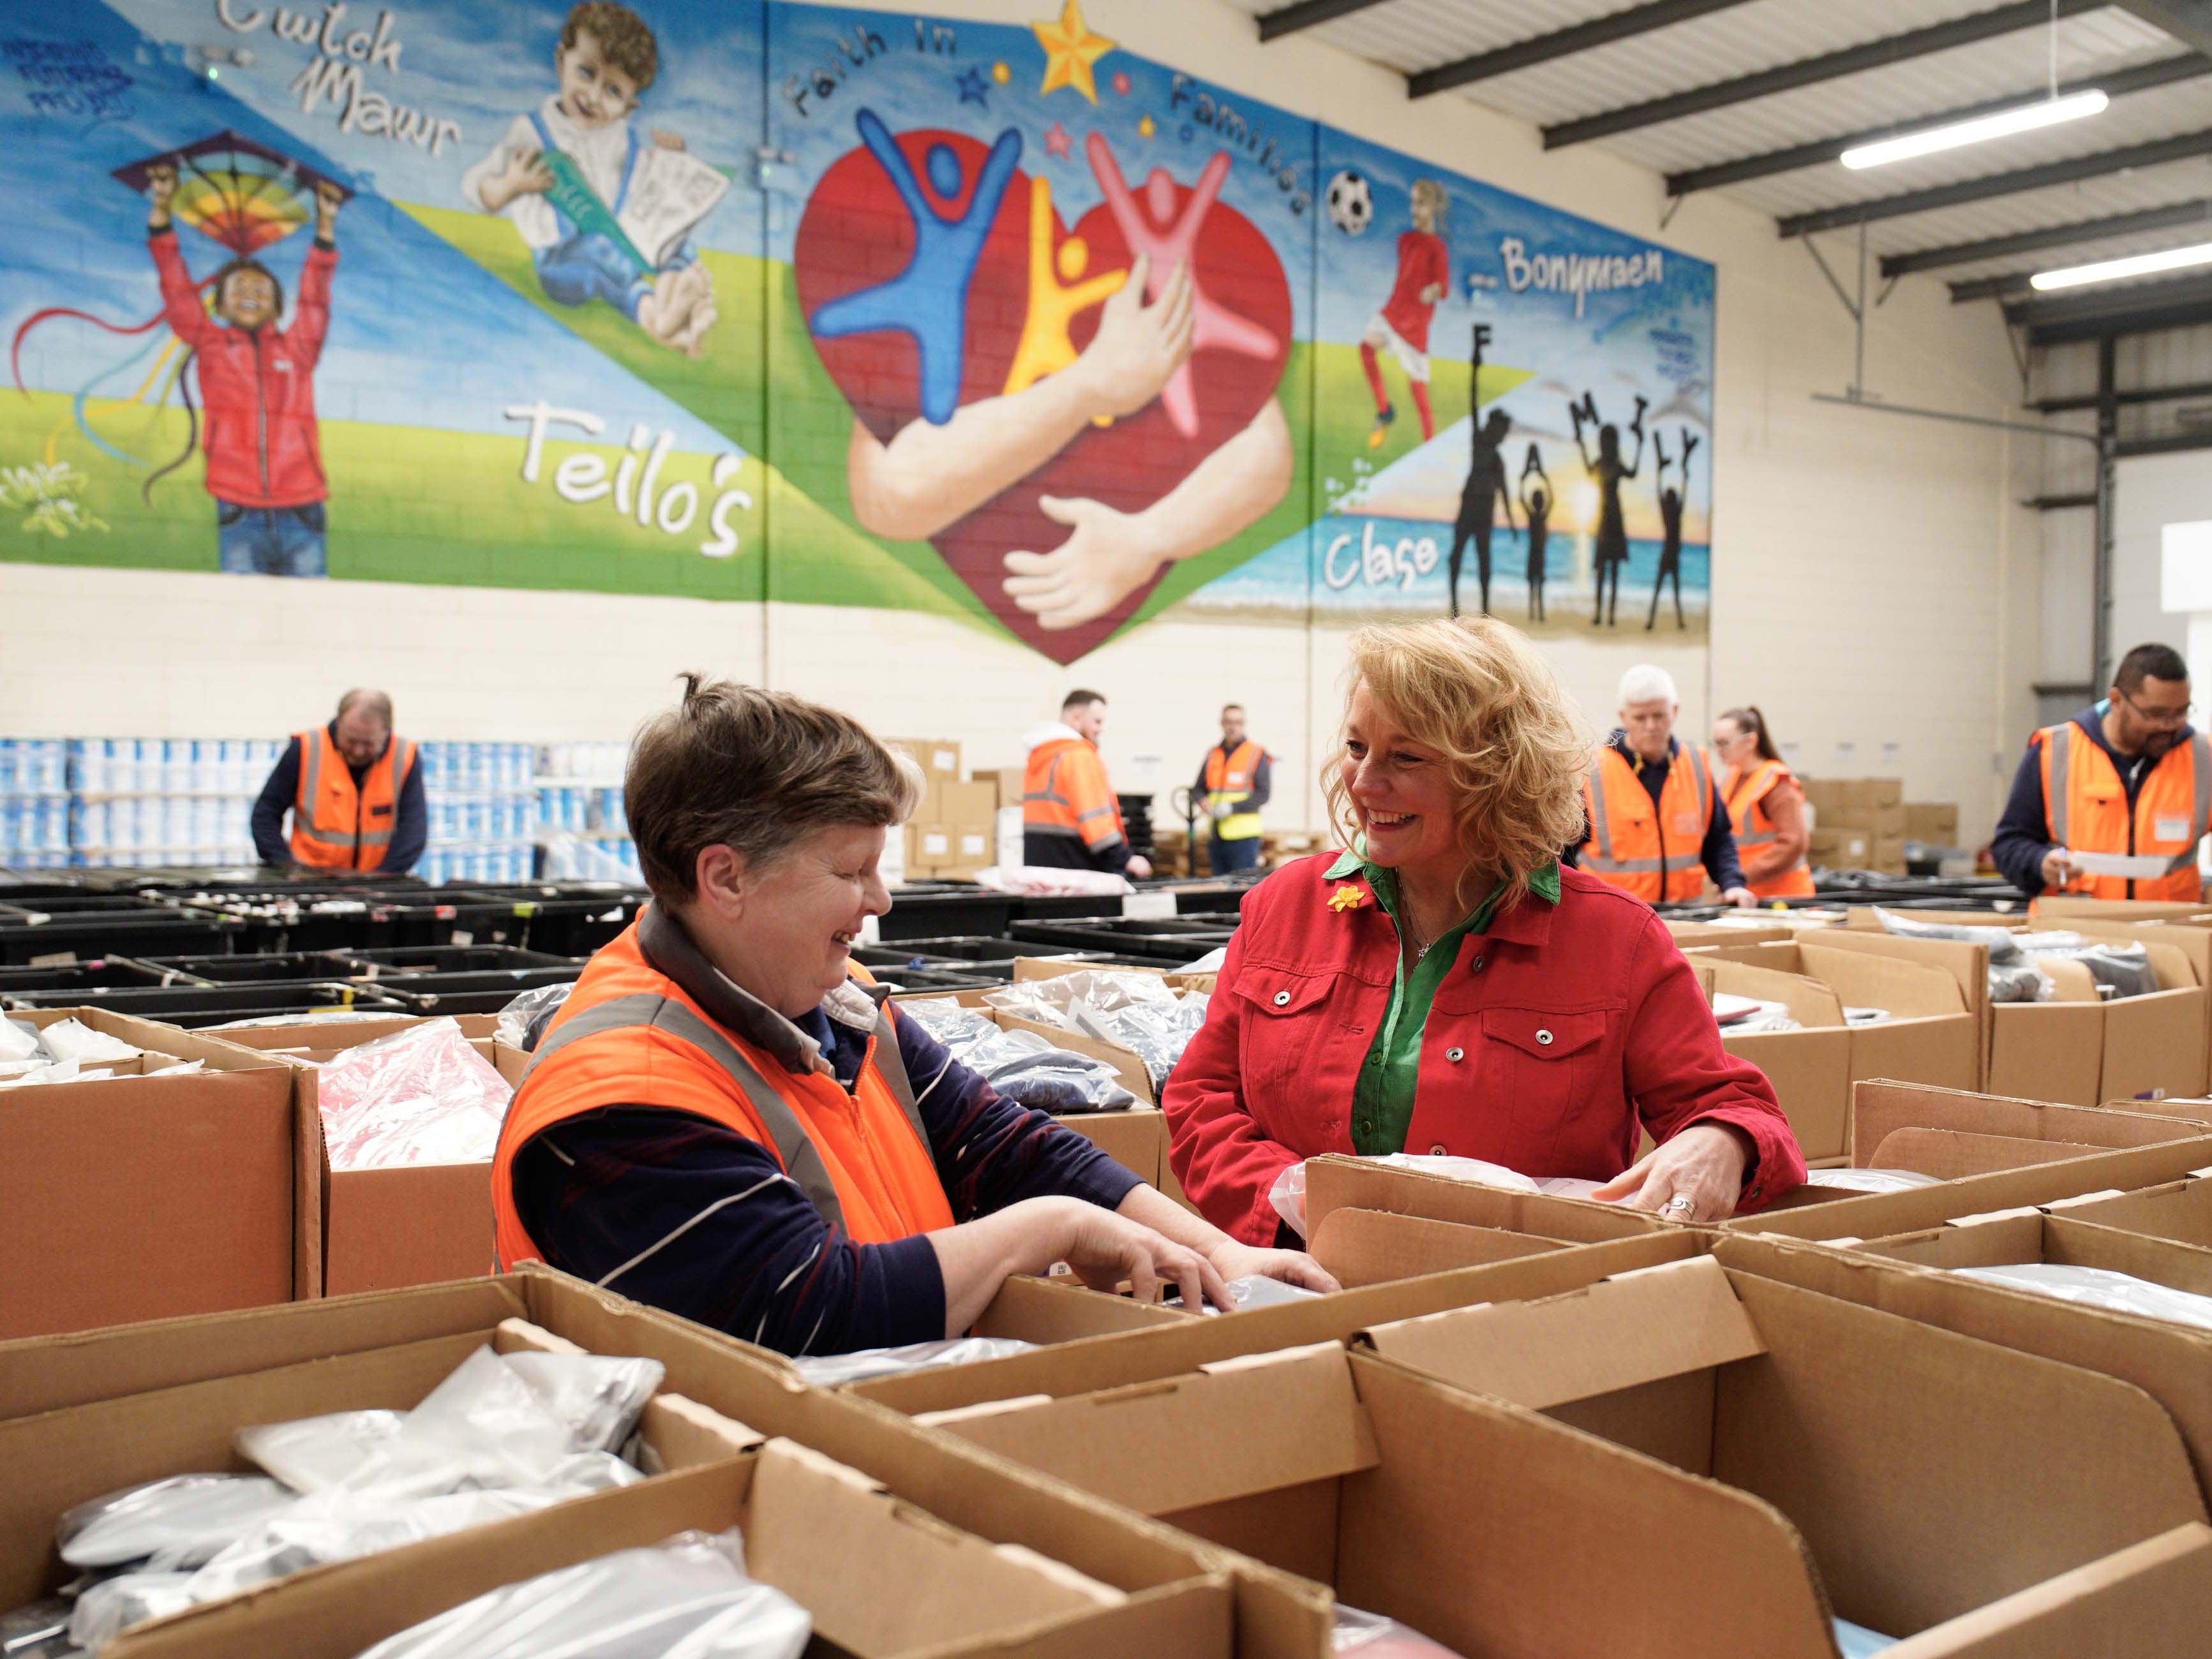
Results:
<point x="1447" y="988"/>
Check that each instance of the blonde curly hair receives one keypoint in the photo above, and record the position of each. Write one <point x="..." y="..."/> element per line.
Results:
<point x="1513" y="747"/>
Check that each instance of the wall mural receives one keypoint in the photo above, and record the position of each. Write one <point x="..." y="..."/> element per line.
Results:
<point x="740" y="301"/>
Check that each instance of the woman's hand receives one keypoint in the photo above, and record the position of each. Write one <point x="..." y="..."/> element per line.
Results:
<point x="1234" y="1261"/>
<point x="1106" y="1250"/>
<point x="1702" y="1165"/>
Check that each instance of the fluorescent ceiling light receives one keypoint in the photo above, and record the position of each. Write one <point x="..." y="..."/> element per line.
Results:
<point x="2139" y="265"/>
<point x="2025" y="117"/>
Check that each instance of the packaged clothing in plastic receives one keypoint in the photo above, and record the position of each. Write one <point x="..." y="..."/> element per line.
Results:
<point x="596" y="1397"/>
<point x="180" y="1522"/>
<point x="2119" y="970"/>
<point x="1742" y="1016"/>
<point x="421" y="1095"/>
<point x="1871" y="1181"/>
<point x="2013" y="976"/>
<point x="1105" y="990"/>
<point x="39" y="1631"/>
<point x="1022" y="1065"/>
<point x="689" y="1598"/>
<point x="1288" y="1195"/>
<point x="1209" y="963"/>
<point x="2100" y="1287"/>
<point x="18" y="1041"/>
<point x="1258" y="1291"/>
<point x="523" y="1020"/>
<point x="314" y="1454"/>
<point x="113" y="1606"/>
<point x="71" y="1039"/>
<point x="829" y="1371"/>
<point x="1370" y="1636"/>
<point x="1157" y="1032"/>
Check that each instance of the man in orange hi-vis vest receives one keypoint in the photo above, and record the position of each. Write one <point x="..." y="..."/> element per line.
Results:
<point x="354" y="791"/>
<point x="1656" y="824"/>
<point x="2127" y="776"/>
<point x="1071" y="819"/>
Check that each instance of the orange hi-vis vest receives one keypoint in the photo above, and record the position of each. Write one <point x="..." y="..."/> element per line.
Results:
<point x="2085" y="808"/>
<point x="630" y="1036"/>
<point x="1065" y="793"/>
<point x="1653" y="853"/>
<point x="335" y="826"/>
<point x="1745" y="793"/>
<point x="1229" y="784"/>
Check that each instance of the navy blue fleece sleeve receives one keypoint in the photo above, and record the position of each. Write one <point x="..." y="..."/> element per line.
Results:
<point x="2024" y="832"/>
<point x="275" y="799"/>
<point x="686" y="1215"/>
<point x="411" y="832"/>
<point x="1718" y="854"/>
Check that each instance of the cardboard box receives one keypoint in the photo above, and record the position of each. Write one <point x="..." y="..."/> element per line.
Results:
<point x="138" y="1197"/>
<point x="2178" y="1209"/>
<point x="1475" y="1520"/>
<point x="1144" y="1357"/>
<point x="969" y="804"/>
<point x="1008" y="784"/>
<point x="1337" y="1182"/>
<point x="929" y="845"/>
<point x="1857" y="797"/>
<point x="1810" y="1068"/>
<point x="376" y="1229"/>
<point x="1932" y="823"/>
<point x="1135" y="1140"/>
<point x="942" y="1484"/>
<point x="1910" y="1275"/>
<point x="1849" y="1460"/>
<point x="1048" y="1311"/>
<point x="1840" y="848"/>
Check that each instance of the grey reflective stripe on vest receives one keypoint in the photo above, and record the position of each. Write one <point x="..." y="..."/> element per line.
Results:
<point x="794" y="1147"/>
<point x="891" y="1064"/>
<point x="2059" y="739"/>
<point x="1741" y="816"/>
<point x="311" y="787"/>
<point x="1702" y="772"/>
<point x="1602" y="862"/>
<point x="2200" y="807"/>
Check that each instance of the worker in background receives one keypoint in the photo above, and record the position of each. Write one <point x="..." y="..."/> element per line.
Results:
<point x="1765" y="804"/>
<point x="354" y="791"/>
<point x="2127" y="774"/>
<point x="1234" y="782"/>
<point x="1656" y="825"/>
<point x="1070" y="818"/>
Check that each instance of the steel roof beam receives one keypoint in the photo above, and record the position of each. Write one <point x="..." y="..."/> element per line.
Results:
<point x="1561" y="43"/>
<point x="2134" y="394"/>
<point x="2180" y="147"/>
<point x="2189" y="21"/>
<point x="1308" y="14"/>
<point x="2056" y="319"/>
<point x="2143" y="77"/>
<point x="1811" y="71"/>
<point x="2031" y="241"/>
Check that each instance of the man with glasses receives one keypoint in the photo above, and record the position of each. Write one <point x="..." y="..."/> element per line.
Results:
<point x="2126" y="775"/>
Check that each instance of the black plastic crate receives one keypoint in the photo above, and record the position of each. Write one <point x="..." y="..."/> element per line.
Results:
<point x="294" y="967"/>
<point x="105" y="973"/>
<point x="468" y="993"/>
<point x="191" y="1006"/>
<point x="940" y="911"/>
<point x="82" y="939"/>
<point x="969" y="948"/>
<point x="1166" y="941"/>
<point x="903" y="981"/>
<point x="458" y="959"/>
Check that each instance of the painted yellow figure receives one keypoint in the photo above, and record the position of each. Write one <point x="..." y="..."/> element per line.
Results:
<point x="1045" y="347"/>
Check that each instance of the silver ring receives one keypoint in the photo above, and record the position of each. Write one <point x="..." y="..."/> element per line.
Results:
<point x="1678" y="1204"/>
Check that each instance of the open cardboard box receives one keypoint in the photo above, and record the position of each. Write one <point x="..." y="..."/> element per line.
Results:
<point x="1849" y="1459"/>
<point x="134" y="1197"/>
<point x="1335" y="1182"/>
<point x="1478" y="1521"/>
<point x="2058" y="1050"/>
<point x="1909" y="1274"/>
<point x="960" y="1488"/>
<point x="881" y="1579"/>
<point x="1128" y="1065"/>
<point x="2178" y="1209"/>
<point x="374" y="1229"/>
<point x="1137" y="1139"/>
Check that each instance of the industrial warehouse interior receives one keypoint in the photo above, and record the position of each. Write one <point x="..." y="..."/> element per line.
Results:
<point x="1068" y="829"/>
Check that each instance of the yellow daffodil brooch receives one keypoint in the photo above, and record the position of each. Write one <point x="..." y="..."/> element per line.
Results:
<point x="1347" y="897"/>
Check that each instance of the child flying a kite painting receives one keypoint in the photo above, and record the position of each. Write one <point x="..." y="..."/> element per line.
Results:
<point x="607" y="216"/>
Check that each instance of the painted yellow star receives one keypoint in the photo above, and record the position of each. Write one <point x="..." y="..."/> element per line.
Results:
<point x="1147" y="127"/>
<point x="1070" y="50"/>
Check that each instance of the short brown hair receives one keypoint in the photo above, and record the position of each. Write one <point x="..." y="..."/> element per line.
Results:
<point x="622" y="34"/>
<point x="2149" y="662"/>
<point x="758" y="771"/>
<point x="1080" y="699"/>
<point x="1477" y="692"/>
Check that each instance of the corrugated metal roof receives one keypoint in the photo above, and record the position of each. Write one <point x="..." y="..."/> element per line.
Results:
<point x="1411" y="35"/>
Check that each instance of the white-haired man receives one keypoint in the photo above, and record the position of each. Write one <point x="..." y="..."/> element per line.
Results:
<point x="1656" y="824"/>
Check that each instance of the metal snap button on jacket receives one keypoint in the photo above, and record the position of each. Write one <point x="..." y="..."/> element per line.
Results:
<point x="1544" y="1037"/>
<point x="1455" y="1055"/>
<point x="1283" y="997"/>
<point x="1436" y="1150"/>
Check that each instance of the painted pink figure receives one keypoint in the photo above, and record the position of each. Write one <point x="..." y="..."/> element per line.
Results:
<point x="1147" y="230"/>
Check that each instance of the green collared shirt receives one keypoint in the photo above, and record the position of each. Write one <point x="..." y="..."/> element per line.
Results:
<point x="1383" y="1101"/>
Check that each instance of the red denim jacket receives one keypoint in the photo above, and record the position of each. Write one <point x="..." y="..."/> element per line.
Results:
<point x="1554" y="1039"/>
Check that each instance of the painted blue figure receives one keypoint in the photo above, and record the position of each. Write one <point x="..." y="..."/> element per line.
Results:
<point x="928" y="301"/>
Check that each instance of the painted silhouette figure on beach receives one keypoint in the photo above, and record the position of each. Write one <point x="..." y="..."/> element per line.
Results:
<point x="1486" y="485"/>
<point x="1536" y="499"/>
<point x="1670" y="515"/>
<point x="1610" y="471"/>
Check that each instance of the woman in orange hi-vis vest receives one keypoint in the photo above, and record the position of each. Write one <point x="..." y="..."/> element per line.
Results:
<point x="1765" y="804"/>
<point x="727" y="1120"/>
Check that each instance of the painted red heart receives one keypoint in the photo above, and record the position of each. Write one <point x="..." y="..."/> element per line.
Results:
<point x="855" y="234"/>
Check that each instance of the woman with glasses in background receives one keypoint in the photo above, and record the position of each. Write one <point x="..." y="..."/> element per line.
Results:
<point x="1765" y="805"/>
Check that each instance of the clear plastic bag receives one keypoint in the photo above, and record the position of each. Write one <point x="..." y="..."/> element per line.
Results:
<point x="523" y="1021"/>
<point x="1288" y="1195"/>
<point x="421" y="1095"/>
<point x="829" y="1371"/>
<point x="2013" y="976"/>
<point x="1022" y="1065"/>
<point x="1258" y="1291"/>
<point x="71" y="1039"/>
<point x="1871" y="1181"/>
<point x="180" y="1522"/>
<point x="39" y="1631"/>
<point x="1048" y="1001"/>
<point x="1857" y="1641"/>
<point x="18" y="1041"/>
<point x="2100" y="1287"/>
<point x="2120" y="970"/>
<point x="597" y="1397"/>
<point x="315" y="1454"/>
<point x="1157" y="1032"/>
<point x="1371" y="1636"/>
<point x="113" y="1606"/>
<point x="689" y="1598"/>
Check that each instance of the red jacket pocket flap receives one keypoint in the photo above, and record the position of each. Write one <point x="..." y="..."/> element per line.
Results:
<point x="1545" y="1036"/>
<point x="1279" y="991"/>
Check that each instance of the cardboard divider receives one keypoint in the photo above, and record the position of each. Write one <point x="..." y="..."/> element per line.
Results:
<point x="1893" y="1448"/>
<point x="1881" y="1110"/>
<point x="2178" y="1209"/>
<point x="1370" y="1247"/>
<point x="1275" y="1618"/>
<point x="136" y="1197"/>
<point x="1137" y="1139"/>
<point x="1047" y="1312"/>
<point x="1336" y="1183"/>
